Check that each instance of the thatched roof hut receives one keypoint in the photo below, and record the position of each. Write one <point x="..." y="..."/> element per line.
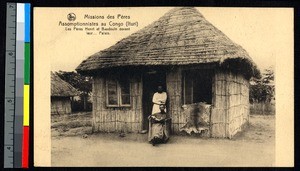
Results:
<point x="180" y="37"/>
<point x="60" y="88"/>
<point x="193" y="60"/>
<point x="61" y="93"/>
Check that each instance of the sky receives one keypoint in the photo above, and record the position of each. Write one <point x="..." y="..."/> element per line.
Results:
<point x="264" y="33"/>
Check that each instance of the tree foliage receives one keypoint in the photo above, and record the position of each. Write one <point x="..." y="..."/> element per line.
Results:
<point x="263" y="89"/>
<point x="80" y="82"/>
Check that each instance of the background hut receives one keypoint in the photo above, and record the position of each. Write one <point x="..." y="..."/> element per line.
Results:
<point x="61" y="94"/>
<point x="194" y="60"/>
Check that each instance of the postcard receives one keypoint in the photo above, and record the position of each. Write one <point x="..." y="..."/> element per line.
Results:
<point x="163" y="86"/>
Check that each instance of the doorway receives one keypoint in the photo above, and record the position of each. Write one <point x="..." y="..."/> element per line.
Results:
<point x="151" y="80"/>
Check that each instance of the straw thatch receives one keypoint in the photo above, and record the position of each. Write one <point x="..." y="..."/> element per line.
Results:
<point x="180" y="37"/>
<point x="60" y="88"/>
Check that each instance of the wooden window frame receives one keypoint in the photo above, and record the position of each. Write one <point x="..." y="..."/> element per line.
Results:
<point x="119" y="95"/>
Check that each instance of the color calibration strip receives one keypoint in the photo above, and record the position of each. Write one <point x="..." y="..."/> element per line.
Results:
<point x="25" y="145"/>
<point x="18" y="125"/>
<point x="17" y="81"/>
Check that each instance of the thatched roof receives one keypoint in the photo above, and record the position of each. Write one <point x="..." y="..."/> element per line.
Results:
<point x="181" y="37"/>
<point x="61" y="88"/>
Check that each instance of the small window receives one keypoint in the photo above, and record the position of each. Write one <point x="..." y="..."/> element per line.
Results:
<point x="124" y="92"/>
<point x="197" y="86"/>
<point x="112" y="92"/>
<point x="118" y="92"/>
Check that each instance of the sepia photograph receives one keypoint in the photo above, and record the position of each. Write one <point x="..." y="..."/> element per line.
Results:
<point x="161" y="86"/>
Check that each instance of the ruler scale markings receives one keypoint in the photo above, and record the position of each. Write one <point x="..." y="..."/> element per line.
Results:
<point x="9" y="86"/>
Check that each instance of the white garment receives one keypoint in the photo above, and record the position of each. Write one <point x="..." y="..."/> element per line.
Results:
<point x="158" y="98"/>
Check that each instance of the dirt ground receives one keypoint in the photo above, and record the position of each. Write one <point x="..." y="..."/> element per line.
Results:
<point x="76" y="147"/>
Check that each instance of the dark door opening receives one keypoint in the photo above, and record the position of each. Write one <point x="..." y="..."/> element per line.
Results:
<point x="151" y="80"/>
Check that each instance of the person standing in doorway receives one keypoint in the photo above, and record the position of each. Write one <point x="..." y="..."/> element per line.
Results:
<point x="159" y="98"/>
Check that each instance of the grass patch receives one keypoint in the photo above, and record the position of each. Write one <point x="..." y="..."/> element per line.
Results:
<point x="72" y="124"/>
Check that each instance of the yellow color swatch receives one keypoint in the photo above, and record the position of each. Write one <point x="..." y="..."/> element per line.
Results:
<point x="26" y="106"/>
